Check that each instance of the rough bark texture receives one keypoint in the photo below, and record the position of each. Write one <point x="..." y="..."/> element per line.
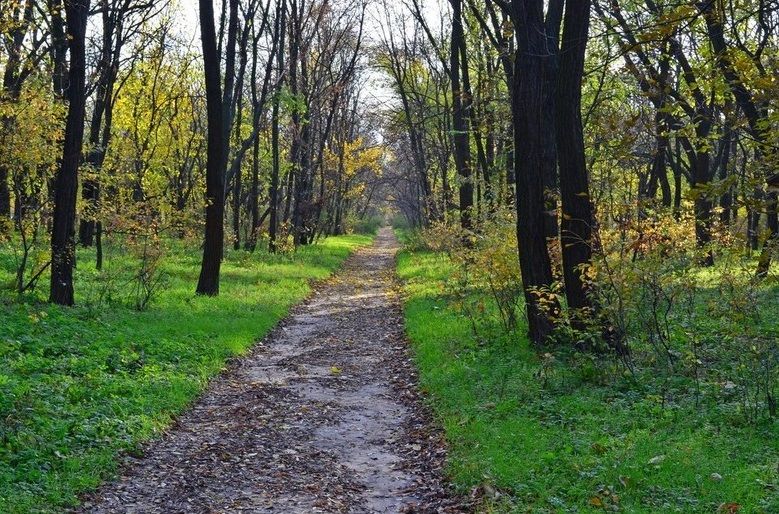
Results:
<point x="528" y="114"/>
<point x="577" y="212"/>
<point x="66" y="184"/>
<point x="460" y="126"/>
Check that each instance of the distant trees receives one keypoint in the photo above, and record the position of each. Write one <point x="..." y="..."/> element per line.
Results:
<point x="662" y="109"/>
<point x="152" y="166"/>
<point x="121" y="21"/>
<point x="17" y="24"/>
<point x="568" y="118"/>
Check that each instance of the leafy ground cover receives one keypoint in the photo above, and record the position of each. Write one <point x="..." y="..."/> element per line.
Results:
<point x="78" y="386"/>
<point x="556" y="432"/>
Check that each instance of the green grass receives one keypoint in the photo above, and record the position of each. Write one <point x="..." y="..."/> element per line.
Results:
<point x="560" y="435"/>
<point x="78" y="386"/>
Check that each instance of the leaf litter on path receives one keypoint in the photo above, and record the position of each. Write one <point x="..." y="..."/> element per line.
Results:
<point x="324" y="415"/>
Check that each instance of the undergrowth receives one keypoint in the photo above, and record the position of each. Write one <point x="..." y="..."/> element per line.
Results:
<point x="562" y="431"/>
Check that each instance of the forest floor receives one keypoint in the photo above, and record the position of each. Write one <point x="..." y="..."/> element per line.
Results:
<point x="323" y="415"/>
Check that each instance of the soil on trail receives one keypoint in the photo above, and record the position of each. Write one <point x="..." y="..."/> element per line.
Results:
<point x="322" y="416"/>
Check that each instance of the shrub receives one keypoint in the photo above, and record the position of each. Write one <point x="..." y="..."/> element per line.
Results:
<point x="486" y="284"/>
<point x="365" y="225"/>
<point x="697" y="329"/>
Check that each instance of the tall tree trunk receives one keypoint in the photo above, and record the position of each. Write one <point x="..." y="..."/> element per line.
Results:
<point x="297" y="171"/>
<point x="274" y="181"/>
<point x="63" y="244"/>
<point x="460" y="127"/>
<point x="90" y="186"/>
<point x="530" y="167"/>
<point x="577" y="211"/>
<point x="238" y="179"/>
<point x="275" y="156"/>
<point x="703" y="203"/>
<point x="5" y="196"/>
<point x="659" y="162"/>
<point x="726" y="198"/>
<point x="208" y="283"/>
<point x="254" y="198"/>
<point x="674" y="159"/>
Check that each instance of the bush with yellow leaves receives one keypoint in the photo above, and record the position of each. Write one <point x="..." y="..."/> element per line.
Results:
<point x="688" y="323"/>
<point x="486" y="283"/>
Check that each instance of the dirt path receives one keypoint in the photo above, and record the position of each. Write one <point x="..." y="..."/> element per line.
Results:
<point x="323" y="416"/>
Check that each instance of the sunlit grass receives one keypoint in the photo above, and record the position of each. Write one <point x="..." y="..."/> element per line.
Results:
<point x="80" y="385"/>
<point x="571" y="434"/>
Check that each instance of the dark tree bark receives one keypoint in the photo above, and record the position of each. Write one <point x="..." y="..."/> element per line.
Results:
<point x="59" y="48"/>
<point x="659" y="163"/>
<point x="236" y="100"/>
<point x="5" y="196"/>
<point x="99" y="136"/>
<point x="530" y="165"/>
<point x="238" y="179"/>
<point x="208" y="283"/>
<point x="460" y="126"/>
<point x="63" y="244"/>
<point x="723" y="172"/>
<point x="299" y="128"/>
<point x="700" y="182"/>
<point x="254" y="198"/>
<point x="275" y="155"/>
<point x="577" y="212"/>
<point x="254" y="188"/>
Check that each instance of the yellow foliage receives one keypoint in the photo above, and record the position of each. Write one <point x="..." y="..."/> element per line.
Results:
<point x="31" y="137"/>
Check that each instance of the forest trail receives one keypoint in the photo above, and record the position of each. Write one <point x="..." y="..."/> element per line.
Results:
<point x="322" y="416"/>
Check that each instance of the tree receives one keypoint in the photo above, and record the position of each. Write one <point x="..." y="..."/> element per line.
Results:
<point x="121" y="19"/>
<point x="66" y="183"/>
<point x="758" y="119"/>
<point x="461" y="105"/>
<point x="533" y="164"/>
<point x="276" y="157"/>
<point x="577" y="218"/>
<point x="208" y="283"/>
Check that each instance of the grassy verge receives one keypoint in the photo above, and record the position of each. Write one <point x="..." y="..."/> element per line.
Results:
<point x="551" y="435"/>
<point x="78" y="386"/>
